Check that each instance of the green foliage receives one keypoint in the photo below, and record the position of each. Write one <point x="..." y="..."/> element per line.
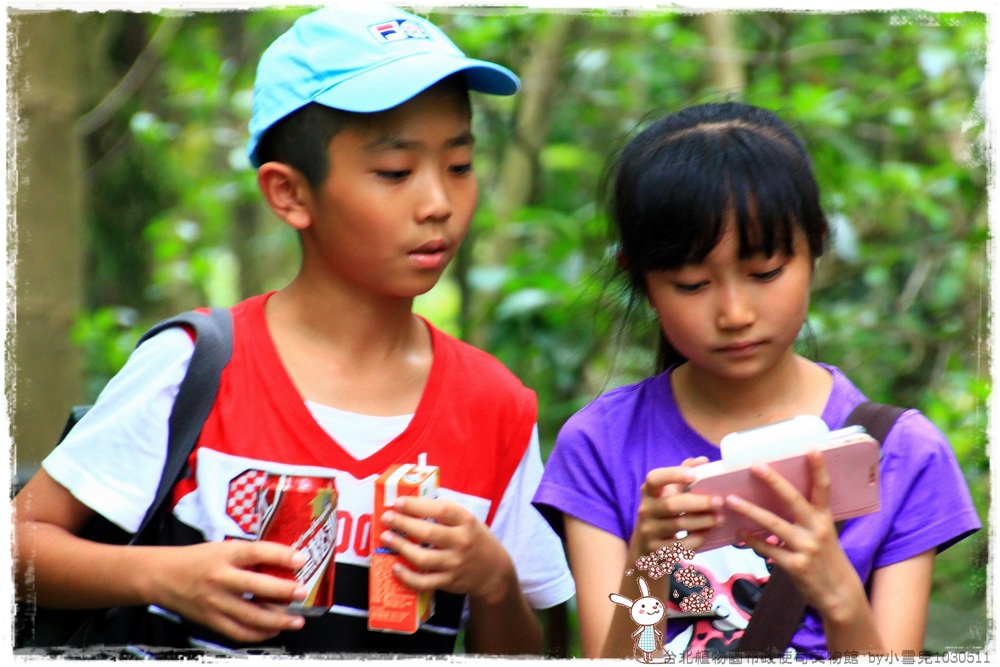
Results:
<point x="107" y="335"/>
<point x="546" y="292"/>
<point x="886" y="103"/>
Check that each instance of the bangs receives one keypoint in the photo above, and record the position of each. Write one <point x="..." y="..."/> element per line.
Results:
<point x="686" y="188"/>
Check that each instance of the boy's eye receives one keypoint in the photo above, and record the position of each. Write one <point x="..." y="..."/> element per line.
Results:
<point x="392" y="174"/>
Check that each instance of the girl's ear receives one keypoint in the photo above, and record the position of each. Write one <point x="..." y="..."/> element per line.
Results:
<point x="621" y="260"/>
<point x="287" y="192"/>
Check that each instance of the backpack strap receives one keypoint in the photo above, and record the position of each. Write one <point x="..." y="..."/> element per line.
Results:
<point x="780" y="607"/>
<point x="213" y="346"/>
<point x="38" y="627"/>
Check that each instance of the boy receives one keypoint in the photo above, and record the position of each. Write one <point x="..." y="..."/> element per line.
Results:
<point x="361" y="137"/>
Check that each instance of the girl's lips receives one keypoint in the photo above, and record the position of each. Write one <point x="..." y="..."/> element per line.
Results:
<point x="745" y="347"/>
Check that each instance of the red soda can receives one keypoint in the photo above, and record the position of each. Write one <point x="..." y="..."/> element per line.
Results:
<point x="301" y="511"/>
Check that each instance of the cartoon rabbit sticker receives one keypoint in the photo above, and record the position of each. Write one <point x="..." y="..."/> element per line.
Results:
<point x="646" y="612"/>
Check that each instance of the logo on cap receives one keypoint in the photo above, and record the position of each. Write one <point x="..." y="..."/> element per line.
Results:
<point x="394" y="31"/>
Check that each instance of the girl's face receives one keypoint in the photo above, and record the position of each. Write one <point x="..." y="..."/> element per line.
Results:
<point x="734" y="318"/>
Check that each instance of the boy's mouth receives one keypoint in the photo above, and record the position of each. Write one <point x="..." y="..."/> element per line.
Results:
<point x="430" y="255"/>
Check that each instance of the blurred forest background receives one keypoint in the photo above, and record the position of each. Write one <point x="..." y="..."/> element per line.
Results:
<point x="132" y="199"/>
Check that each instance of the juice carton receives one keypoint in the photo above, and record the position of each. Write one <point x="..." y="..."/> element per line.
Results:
<point x="392" y="606"/>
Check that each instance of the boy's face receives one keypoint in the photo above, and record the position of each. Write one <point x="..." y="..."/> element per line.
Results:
<point x="399" y="197"/>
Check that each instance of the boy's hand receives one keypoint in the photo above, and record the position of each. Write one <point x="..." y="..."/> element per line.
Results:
<point x="214" y="584"/>
<point x="452" y="551"/>
<point x="665" y="509"/>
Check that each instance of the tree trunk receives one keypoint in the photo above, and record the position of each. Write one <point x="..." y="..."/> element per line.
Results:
<point x="246" y="213"/>
<point x="516" y="189"/>
<point x="726" y="71"/>
<point x="47" y="251"/>
<point x="539" y="79"/>
<point x="518" y="172"/>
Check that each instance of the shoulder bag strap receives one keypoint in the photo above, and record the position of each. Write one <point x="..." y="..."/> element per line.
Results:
<point x="213" y="331"/>
<point x="876" y="418"/>
<point x="780" y="607"/>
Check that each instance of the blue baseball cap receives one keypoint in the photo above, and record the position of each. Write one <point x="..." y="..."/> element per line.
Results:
<point x="363" y="57"/>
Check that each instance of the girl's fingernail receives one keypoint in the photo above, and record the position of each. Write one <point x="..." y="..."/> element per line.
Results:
<point x="300" y="558"/>
<point x="301" y="593"/>
<point x="388" y="536"/>
<point x="734" y="501"/>
<point x="388" y="516"/>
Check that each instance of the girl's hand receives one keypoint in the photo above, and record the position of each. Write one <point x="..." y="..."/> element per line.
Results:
<point x="665" y="509"/>
<point x="449" y="549"/>
<point x="214" y="584"/>
<point x="809" y="549"/>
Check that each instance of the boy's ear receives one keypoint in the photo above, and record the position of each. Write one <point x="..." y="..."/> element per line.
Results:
<point x="287" y="192"/>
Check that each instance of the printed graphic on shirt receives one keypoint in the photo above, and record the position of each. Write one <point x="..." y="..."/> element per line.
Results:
<point x="716" y="620"/>
<point x="692" y="594"/>
<point x="241" y="505"/>
<point x="224" y="502"/>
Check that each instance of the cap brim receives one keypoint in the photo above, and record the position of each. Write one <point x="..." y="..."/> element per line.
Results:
<point x="395" y="82"/>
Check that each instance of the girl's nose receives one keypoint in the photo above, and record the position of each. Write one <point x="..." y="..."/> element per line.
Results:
<point x="735" y="309"/>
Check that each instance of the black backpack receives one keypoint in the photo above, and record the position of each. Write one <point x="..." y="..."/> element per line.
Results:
<point x="36" y="628"/>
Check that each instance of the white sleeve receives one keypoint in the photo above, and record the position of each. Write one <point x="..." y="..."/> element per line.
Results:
<point x="113" y="458"/>
<point x="534" y="547"/>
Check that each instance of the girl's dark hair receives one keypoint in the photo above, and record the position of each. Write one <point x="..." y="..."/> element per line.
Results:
<point x="301" y="139"/>
<point x="680" y="181"/>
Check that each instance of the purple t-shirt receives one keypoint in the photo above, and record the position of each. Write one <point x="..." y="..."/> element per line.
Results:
<point x="603" y="453"/>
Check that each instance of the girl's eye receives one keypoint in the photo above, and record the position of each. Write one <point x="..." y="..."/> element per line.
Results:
<point x="689" y="288"/>
<point x="766" y="276"/>
<point x="461" y="169"/>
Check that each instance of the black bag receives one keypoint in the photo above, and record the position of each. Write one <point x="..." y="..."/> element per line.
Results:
<point x="58" y="631"/>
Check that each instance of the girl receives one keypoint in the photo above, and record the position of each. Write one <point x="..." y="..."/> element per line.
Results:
<point x="720" y="225"/>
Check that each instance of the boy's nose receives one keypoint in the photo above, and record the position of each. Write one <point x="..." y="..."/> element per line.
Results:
<point x="435" y="204"/>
